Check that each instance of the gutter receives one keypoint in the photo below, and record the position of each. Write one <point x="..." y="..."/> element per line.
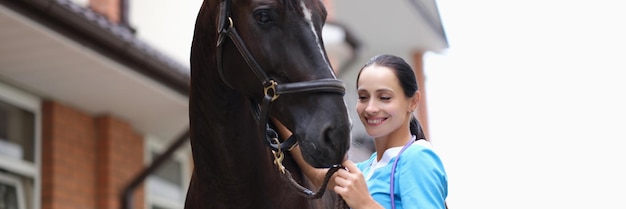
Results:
<point x="126" y="199"/>
<point x="96" y="32"/>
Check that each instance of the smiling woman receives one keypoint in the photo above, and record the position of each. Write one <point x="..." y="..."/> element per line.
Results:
<point x="387" y="96"/>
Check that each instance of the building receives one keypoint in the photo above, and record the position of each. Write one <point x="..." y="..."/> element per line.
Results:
<point x="89" y="99"/>
<point x="84" y="106"/>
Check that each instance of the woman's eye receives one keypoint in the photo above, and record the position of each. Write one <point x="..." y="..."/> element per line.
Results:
<point x="385" y="98"/>
<point x="362" y="98"/>
<point x="262" y="16"/>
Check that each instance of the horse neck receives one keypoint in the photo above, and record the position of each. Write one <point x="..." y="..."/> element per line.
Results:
<point x="230" y="160"/>
<point x="222" y="125"/>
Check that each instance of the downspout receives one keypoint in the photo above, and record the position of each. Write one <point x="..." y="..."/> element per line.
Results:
<point x="127" y="193"/>
<point x="124" y="13"/>
<point x="125" y="17"/>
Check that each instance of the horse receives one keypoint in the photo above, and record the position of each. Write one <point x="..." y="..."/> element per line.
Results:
<point x="252" y="60"/>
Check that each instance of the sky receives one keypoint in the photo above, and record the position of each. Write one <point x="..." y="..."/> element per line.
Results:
<point x="526" y="107"/>
<point x="167" y="25"/>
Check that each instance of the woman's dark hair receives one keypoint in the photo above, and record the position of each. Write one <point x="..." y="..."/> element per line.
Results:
<point x="408" y="82"/>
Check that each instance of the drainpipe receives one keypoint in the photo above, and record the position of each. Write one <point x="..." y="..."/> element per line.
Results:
<point x="124" y="16"/>
<point x="127" y="194"/>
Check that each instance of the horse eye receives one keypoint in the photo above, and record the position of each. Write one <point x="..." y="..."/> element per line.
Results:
<point x="262" y="16"/>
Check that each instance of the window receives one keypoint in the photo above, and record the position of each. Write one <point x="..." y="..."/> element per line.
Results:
<point x="16" y="133"/>
<point x="11" y="193"/>
<point x="167" y="186"/>
<point x="19" y="149"/>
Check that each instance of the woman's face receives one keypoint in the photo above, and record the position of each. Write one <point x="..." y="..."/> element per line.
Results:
<point x="382" y="106"/>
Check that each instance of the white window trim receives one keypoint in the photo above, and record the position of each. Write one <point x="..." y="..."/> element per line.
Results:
<point x="22" y="99"/>
<point x="21" y="203"/>
<point x="182" y="155"/>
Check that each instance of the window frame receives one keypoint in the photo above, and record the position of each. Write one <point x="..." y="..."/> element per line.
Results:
<point x="19" y="189"/>
<point x="183" y="156"/>
<point x="31" y="103"/>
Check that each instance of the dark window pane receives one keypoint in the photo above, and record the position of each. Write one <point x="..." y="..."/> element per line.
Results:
<point x="8" y="197"/>
<point x="17" y="132"/>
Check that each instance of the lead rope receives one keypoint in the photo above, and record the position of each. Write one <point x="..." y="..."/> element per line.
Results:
<point x="339" y="204"/>
<point x="286" y="175"/>
<point x="307" y="193"/>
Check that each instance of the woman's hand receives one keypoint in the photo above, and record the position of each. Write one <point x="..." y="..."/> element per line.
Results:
<point x="350" y="184"/>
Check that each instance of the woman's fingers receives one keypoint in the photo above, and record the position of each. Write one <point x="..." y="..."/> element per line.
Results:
<point x="350" y="166"/>
<point x="350" y="184"/>
<point x="342" y="177"/>
<point x="346" y="179"/>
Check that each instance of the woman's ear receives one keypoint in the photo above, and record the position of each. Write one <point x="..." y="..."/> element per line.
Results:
<point x="415" y="101"/>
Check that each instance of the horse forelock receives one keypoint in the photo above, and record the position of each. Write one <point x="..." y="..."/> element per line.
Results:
<point x="314" y="4"/>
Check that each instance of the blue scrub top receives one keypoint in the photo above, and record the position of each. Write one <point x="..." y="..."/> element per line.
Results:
<point x="420" y="179"/>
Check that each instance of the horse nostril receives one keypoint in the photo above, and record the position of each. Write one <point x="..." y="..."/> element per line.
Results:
<point x="334" y="137"/>
<point x="328" y="137"/>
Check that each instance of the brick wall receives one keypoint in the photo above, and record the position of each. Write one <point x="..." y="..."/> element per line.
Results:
<point x="87" y="160"/>
<point x="68" y="152"/>
<point x="120" y="158"/>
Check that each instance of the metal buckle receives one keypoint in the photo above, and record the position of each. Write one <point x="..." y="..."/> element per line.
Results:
<point x="271" y="87"/>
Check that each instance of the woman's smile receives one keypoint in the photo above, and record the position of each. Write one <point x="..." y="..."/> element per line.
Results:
<point x="375" y="121"/>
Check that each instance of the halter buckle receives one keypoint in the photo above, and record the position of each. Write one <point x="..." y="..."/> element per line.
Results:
<point x="272" y="87"/>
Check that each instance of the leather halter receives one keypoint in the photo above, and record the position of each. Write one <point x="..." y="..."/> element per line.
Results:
<point x="272" y="89"/>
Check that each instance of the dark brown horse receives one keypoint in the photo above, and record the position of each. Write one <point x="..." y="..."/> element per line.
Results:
<point x="252" y="60"/>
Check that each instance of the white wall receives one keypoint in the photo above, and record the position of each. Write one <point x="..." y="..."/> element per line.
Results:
<point x="527" y="106"/>
<point x="167" y="25"/>
<point x="83" y="3"/>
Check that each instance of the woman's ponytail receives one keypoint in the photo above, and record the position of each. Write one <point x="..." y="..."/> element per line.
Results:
<point x="416" y="129"/>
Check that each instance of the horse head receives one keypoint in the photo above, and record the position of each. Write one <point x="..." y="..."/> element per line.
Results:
<point x="284" y="57"/>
